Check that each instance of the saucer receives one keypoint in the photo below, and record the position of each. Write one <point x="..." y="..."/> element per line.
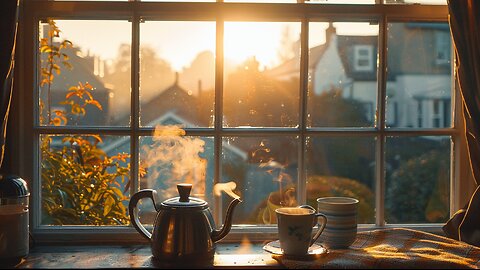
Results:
<point x="314" y="251"/>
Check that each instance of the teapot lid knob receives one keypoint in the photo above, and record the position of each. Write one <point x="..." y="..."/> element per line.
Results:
<point x="184" y="191"/>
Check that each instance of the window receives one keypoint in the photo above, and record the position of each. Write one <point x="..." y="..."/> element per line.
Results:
<point x="363" y="58"/>
<point x="285" y="102"/>
<point x="442" y="47"/>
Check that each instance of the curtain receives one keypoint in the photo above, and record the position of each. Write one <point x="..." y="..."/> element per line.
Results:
<point x="8" y="33"/>
<point x="464" y="19"/>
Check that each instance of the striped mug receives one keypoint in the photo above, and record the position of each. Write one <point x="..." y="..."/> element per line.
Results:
<point x="341" y="229"/>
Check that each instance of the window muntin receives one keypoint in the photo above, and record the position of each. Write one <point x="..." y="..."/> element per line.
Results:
<point x="300" y="134"/>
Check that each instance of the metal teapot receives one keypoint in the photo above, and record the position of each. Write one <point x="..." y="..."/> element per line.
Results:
<point x="184" y="228"/>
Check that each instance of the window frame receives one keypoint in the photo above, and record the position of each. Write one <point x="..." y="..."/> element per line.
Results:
<point x="219" y="12"/>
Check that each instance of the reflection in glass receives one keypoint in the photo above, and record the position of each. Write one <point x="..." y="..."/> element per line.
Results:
<point x="169" y="158"/>
<point x="342" y="167"/>
<point x="342" y="75"/>
<point x="419" y="91"/>
<point x="262" y="69"/>
<point x="85" y="179"/>
<point x="82" y="79"/>
<point x="265" y="172"/>
<point x="177" y="73"/>
<point x="417" y="179"/>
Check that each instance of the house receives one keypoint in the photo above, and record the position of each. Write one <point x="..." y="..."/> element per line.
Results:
<point x="418" y="80"/>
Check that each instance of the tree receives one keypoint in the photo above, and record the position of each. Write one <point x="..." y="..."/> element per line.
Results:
<point x="418" y="190"/>
<point x="80" y="182"/>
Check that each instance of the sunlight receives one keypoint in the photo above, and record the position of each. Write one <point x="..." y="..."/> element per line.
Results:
<point x="263" y="40"/>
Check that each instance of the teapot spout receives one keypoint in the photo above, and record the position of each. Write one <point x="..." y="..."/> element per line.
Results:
<point x="218" y="235"/>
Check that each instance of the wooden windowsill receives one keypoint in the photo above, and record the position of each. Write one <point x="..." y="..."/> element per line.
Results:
<point x="139" y="256"/>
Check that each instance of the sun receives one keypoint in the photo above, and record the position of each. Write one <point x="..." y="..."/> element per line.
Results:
<point x="262" y="40"/>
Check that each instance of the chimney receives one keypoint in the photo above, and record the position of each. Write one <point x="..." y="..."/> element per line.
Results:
<point x="329" y="32"/>
<point x="176" y="78"/>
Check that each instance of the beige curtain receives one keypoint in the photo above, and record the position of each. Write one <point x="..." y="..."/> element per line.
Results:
<point x="464" y="19"/>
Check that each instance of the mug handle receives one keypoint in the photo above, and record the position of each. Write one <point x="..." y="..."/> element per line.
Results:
<point x="317" y="215"/>
<point x="132" y="207"/>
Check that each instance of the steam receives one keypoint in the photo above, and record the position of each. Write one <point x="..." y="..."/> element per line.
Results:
<point x="227" y="188"/>
<point x="285" y="196"/>
<point x="173" y="155"/>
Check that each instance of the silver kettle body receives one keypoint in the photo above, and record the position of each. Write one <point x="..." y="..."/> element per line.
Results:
<point x="184" y="228"/>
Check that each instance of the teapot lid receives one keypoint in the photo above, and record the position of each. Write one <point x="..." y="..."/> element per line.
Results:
<point x="184" y="200"/>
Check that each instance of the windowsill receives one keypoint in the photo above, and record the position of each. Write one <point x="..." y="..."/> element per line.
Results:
<point x="139" y="256"/>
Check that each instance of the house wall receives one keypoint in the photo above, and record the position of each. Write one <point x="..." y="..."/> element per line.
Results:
<point x="329" y="70"/>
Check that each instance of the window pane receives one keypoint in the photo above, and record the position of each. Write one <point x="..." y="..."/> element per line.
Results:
<point x="168" y="158"/>
<point x="265" y="172"/>
<point x="342" y="167"/>
<point x="177" y="73"/>
<point x="178" y="0"/>
<point x="85" y="179"/>
<point x="262" y="1"/>
<point x="417" y="179"/>
<point x="261" y="85"/>
<point x="357" y="2"/>
<point x="422" y="2"/>
<point x="419" y="75"/>
<point x="342" y="74"/>
<point x="84" y="77"/>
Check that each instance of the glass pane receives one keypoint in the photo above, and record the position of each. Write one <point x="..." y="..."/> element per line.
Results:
<point x="342" y="87"/>
<point x="265" y="173"/>
<point x="262" y="1"/>
<point x="342" y="167"/>
<point x="85" y="179"/>
<point x="178" y="0"/>
<point x="358" y="2"/>
<point x="83" y="80"/>
<point x="169" y="158"/>
<point x="422" y="2"/>
<point x="177" y="73"/>
<point x="262" y="69"/>
<point x="417" y="179"/>
<point x="419" y="75"/>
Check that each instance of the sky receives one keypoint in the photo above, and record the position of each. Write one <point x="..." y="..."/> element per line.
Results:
<point x="180" y="42"/>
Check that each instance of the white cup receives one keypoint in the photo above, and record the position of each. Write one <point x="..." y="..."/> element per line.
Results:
<point x="295" y="226"/>
<point x="341" y="229"/>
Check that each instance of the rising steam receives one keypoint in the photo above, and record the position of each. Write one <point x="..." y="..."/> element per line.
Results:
<point x="227" y="188"/>
<point x="174" y="158"/>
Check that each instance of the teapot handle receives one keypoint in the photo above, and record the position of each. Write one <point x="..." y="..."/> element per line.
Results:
<point x="132" y="205"/>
